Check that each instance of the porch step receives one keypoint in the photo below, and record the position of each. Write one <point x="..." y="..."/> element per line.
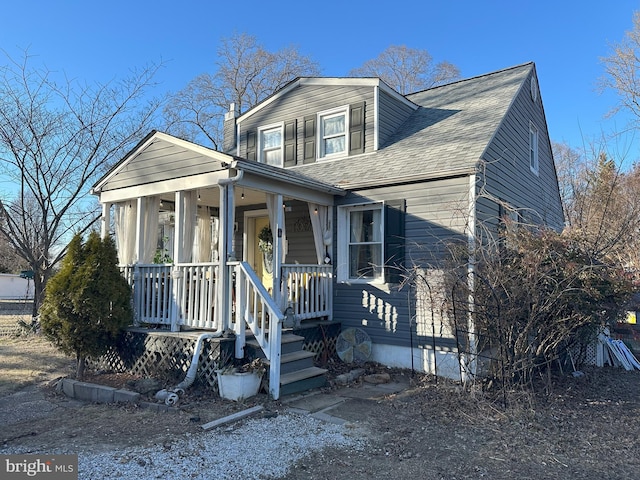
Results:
<point x="294" y="361"/>
<point x="290" y="343"/>
<point x="297" y="371"/>
<point x="301" y="380"/>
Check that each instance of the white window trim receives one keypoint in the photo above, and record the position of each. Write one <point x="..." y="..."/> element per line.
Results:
<point x="344" y="109"/>
<point x="535" y="168"/>
<point x="273" y="126"/>
<point x="342" y="265"/>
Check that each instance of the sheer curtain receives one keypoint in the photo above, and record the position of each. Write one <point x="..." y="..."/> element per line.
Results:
<point x="189" y="225"/>
<point x="272" y="206"/>
<point x="125" y="215"/>
<point x="150" y="225"/>
<point x="215" y="235"/>
<point x="322" y="231"/>
<point x="202" y="241"/>
<point x="355" y="235"/>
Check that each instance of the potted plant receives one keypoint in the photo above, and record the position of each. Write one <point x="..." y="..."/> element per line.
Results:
<point x="240" y="382"/>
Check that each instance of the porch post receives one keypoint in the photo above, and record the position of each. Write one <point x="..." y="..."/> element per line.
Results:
<point x="225" y="236"/>
<point x="106" y="220"/>
<point x="176" y="274"/>
<point x="277" y="251"/>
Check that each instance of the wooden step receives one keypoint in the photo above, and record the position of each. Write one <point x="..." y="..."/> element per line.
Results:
<point x="301" y="375"/>
<point x="289" y="343"/>
<point x="298" y="360"/>
<point x="302" y="380"/>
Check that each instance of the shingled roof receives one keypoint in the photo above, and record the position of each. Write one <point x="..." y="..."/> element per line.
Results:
<point x="446" y="136"/>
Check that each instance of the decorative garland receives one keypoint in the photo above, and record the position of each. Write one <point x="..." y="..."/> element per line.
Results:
<point x="265" y="240"/>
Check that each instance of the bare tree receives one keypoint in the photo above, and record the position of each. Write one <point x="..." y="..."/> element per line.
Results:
<point x="622" y="68"/>
<point x="10" y="261"/>
<point x="600" y="204"/>
<point x="246" y="74"/>
<point x="55" y="140"/>
<point x="407" y="70"/>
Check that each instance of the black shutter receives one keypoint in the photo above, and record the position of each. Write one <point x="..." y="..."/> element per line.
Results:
<point x="394" y="233"/>
<point x="251" y="145"/>
<point x="309" y="139"/>
<point x="356" y="128"/>
<point x="290" y="143"/>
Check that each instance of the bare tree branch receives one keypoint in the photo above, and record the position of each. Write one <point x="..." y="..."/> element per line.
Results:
<point x="246" y="73"/>
<point x="56" y="139"/>
<point x="407" y="70"/>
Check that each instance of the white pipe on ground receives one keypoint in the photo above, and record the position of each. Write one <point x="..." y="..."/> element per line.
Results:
<point x="171" y="395"/>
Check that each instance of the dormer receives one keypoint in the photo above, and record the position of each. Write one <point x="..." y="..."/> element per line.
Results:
<point x="317" y="120"/>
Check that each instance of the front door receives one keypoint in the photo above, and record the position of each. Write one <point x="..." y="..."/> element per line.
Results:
<point x="262" y="257"/>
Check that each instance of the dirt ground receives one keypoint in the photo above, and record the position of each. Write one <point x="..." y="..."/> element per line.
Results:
<point x="587" y="428"/>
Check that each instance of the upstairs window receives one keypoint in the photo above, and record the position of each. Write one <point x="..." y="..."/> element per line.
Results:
<point x="333" y="133"/>
<point x="270" y="145"/>
<point x="533" y="149"/>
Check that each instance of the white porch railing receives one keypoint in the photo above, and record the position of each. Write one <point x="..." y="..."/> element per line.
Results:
<point x="196" y="294"/>
<point x="255" y="308"/>
<point x="306" y="289"/>
<point x="309" y="290"/>
<point x="153" y="293"/>
<point x="152" y="286"/>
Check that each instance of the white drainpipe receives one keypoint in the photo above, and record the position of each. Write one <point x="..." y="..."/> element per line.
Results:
<point x="171" y="396"/>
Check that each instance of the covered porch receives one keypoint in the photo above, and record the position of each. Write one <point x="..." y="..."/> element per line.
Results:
<point x="214" y="243"/>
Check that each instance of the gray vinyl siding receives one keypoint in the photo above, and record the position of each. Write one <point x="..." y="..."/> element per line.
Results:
<point x="309" y="100"/>
<point x="432" y="219"/>
<point x="149" y="166"/>
<point x="391" y="114"/>
<point x="507" y="173"/>
<point x="298" y="231"/>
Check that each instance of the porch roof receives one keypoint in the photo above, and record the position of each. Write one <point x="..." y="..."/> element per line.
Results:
<point x="162" y="163"/>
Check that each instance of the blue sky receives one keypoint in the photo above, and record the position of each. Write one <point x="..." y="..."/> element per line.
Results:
<point x="565" y="38"/>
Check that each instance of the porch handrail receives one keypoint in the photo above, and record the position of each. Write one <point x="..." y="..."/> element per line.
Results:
<point x="256" y="309"/>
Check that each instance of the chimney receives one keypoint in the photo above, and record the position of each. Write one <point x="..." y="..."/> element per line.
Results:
<point x="229" y="130"/>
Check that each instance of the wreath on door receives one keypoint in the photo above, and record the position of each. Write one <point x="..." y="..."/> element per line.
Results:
<point x="265" y="244"/>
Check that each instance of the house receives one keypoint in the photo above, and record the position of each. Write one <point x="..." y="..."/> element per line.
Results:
<point x="326" y="194"/>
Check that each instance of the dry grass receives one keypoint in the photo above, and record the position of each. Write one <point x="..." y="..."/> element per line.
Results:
<point x="30" y="359"/>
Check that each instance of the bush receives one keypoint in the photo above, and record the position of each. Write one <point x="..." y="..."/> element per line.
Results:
<point x="536" y="296"/>
<point x="88" y="302"/>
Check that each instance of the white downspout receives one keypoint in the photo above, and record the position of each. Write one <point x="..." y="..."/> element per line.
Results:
<point x="469" y="361"/>
<point x="170" y="396"/>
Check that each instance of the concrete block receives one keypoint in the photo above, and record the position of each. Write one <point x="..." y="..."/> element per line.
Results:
<point x="68" y="387"/>
<point x="153" y="407"/>
<point x="104" y="394"/>
<point x="85" y="391"/>
<point x="126" y="396"/>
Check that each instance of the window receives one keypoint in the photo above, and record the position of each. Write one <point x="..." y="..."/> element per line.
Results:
<point x="533" y="149"/>
<point x="270" y="145"/>
<point x="333" y="132"/>
<point x="361" y="243"/>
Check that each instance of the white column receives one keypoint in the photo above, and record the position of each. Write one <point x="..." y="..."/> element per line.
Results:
<point x="277" y="251"/>
<point x="176" y="274"/>
<point x="106" y="220"/>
